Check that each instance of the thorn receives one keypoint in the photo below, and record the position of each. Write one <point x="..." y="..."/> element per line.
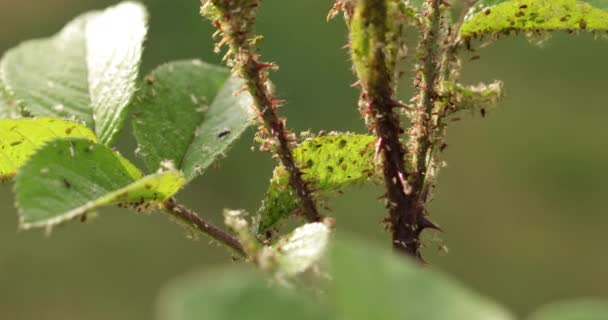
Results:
<point x="425" y="223"/>
<point x="261" y="66"/>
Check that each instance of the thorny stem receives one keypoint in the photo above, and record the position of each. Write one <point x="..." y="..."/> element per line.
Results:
<point x="375" y="63"/>
<point x="426" y="82"/>
<point x="449" y="70"/>
<point x="235" y="20"/>
<point x="194" y="220"/>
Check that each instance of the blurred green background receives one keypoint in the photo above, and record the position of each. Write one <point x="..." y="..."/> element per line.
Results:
<point x="523" y="199"/>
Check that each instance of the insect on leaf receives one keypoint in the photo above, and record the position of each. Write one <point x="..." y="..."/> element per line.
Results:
<point x="492" y="17"/>
<point x="20" y="138"/>
<point x="188" y="112"/>
<point x="329" y="163"/>
<point x="71" y="177"/>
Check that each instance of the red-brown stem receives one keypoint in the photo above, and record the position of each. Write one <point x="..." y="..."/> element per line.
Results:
<point x="236" y="22"/>
<point x="378" y="83"/>
<point x="194" y="220"/>
<point x="263" y="102"/>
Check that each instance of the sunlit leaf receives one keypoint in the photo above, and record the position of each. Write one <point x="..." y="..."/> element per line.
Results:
<point x="502" y="16"/>
<point x="69" y="178"/>
<point x="187" y="112"/>
<point x="20" y="138"/>
<point x="234" y="294"/>
<point x="49" y="76"/>
<point x="329" y="163"/>
<point x="86" y="72"/>
<point x="114" y="43"/>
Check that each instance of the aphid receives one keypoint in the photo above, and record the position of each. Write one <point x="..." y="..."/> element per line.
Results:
<point x="483" y="112"/>
<point x="223" y="133"/>
<point x="473" y="58"/>
<point x="66" y="183"/>
<point x="523" y="6"/>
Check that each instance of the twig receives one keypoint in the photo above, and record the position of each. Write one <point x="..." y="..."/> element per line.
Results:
<point x="235" y="20"/>
<point x="426" y="82"/>
<point x="193" y="219"/>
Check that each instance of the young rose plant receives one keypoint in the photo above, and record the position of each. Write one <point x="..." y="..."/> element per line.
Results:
<point x="64" y="100"/>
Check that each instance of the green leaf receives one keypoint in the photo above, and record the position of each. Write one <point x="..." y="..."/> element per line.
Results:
<point x="20" y="138"/>
<point x="481" y="97"/>
<point x="49" y="76"/>
<point x="329" y="163"/>
<point x="187" y="112"/>
<point x="114" y="43"/>
<point x="373" y="283"/>
<point x="502" y="16"/>
<point x="234" y="294"/>
<point x="71" y="177"/>
<point x="87" y="71"/>
<point x="573" y="310"/>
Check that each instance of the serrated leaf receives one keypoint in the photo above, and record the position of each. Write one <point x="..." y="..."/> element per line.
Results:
<point x="20" y="138"/>
<point x="329" y="163"/>
<point x="234" y="294"/>
<point x="187" y="112"/>
<point x="86" y="72"/>
<point x="114" y="43"/>
<point x="374" y="283"/>
<point x="499" y="16"/>
<point x="303" y="248"/>
<point x="473" y="98"/>
<point x="589" y="309"/>
<point x="49" y="76"/>
<point x="68" y="178"/>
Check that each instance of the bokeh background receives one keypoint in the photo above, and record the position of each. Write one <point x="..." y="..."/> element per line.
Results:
<point x="522" y="200"/>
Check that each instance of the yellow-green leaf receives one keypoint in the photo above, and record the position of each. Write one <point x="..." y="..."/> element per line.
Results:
<point x="71" y="177"/>
<point x="329" y="163"/>
<point x="87" y="71"/>
<point x="500" y="16"/>
<point x="20" y="138"/>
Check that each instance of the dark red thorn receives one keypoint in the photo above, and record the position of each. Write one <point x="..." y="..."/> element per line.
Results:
<point x="425" y="223"/>
<point x="262" y="65"/>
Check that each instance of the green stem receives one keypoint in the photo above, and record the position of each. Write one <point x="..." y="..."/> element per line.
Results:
<point x="422" y="128"/>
